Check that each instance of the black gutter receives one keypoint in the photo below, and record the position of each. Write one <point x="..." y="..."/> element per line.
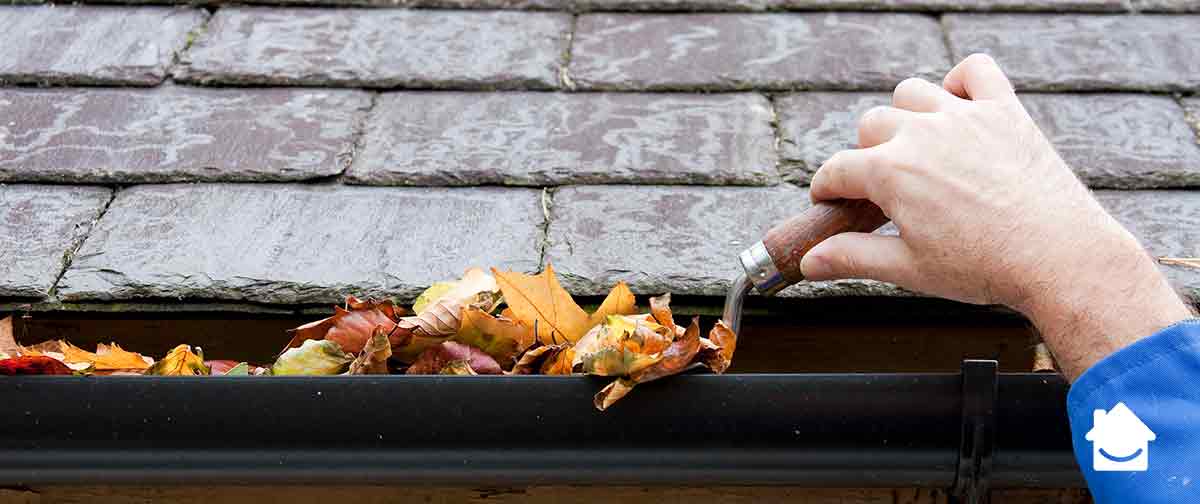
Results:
<point x="820" y="430"/>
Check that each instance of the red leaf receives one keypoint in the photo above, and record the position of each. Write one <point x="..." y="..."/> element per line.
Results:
<point x="433" y="359"/>
<point x="33" y="365"/>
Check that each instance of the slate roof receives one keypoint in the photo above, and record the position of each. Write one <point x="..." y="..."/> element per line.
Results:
<point x="291" y="152"/>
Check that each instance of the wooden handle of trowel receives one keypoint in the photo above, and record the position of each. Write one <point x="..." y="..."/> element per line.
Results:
<point x="788" y="241"/>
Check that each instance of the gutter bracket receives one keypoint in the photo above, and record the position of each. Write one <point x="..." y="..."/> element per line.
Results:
<point x="980" y="380"/>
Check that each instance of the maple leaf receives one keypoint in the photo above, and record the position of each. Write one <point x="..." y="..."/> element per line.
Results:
<point x="349" y="327"/>
<point x="717" y="350"/>
<point x="180" y="361"/>
<point x="33" y="365"/>
<point x="620" y="301"/>
<point x="435" y="358"/>
<point x="620" y="346"/>
<point x="539" y="301"/>
<point x="501" y="338"/>
<point x="313" y="357"/>
<point x="374" y="356"/>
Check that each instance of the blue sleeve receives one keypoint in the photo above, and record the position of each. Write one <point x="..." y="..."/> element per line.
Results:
<point x="1135" y="420"/>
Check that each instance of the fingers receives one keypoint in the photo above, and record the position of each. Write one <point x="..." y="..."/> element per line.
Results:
<point x="979" y="78"/>
<point x="846" y="175"/>
<point x="920" y="95"/>
<point x="860" y="255"/>
<point x="880" y="124"/>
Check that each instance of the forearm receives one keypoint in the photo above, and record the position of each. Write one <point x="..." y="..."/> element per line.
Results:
<point x="1119" y="297"/>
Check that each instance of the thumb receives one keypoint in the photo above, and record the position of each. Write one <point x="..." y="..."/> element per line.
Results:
<point x="860" y="255"/>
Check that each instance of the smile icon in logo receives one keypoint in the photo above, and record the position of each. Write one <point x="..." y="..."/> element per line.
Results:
<point x="1120" y="440"/>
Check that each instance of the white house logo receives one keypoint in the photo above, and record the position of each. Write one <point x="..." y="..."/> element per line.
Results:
<point x="1120" y="441"/>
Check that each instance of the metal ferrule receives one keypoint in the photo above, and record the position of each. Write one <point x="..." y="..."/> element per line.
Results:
<point x="761" y="270"/>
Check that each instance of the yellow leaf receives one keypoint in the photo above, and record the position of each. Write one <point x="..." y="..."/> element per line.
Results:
<point x="180" y="361"/>
<point x="539" y="301"/>
<point x="433" y="293"/>
<point x="621" y="346"/>
<point x="620" y="301"/>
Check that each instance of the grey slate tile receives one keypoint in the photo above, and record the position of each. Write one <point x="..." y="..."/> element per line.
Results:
<point x="682" y="240"/>
<point x="761" y="51"/>
<point x="1110" y="140"/>
<point x="1085" y="52"/>
<point x="299" y="244"/>
<point x="40" y="224"/>
<point x="685" y="240"/>
<point x="555" y="139"/>
<point x="56" y="44"/>
<point x="1165" y="222"/>
<point x="813" y="126"/>
<point x="1191" y="108"/>
<point x="880" y="5"/>
<point x="379" y="48"/>
<point x="1167" y="5"/>
<point x="175" y="133"/>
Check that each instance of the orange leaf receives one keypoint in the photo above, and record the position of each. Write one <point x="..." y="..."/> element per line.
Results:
<point x="374" y="356"/>
<point x="718" y="348"/>
<point x="501" y="338"/>
<point x="620" y="301"/>
<point x="108" y="358"/>
<point x="660" y="309"/>
<point x="539" y="301"/>
<point x="180" y="361"/>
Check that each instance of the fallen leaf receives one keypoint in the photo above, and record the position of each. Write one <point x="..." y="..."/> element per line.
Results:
<point x="475" y="288"/>
<point x="660" y="310"/>
<point x="1193" y="262"/>
<point x="8" y="343"/>
<point x="241" y="369"/>
<point x="374" y="356"/>
<point x="180" y="361"/>
<point x="539" y="301"/>
<point x="612" y="393"/>
<point x="620" y="301"/>
<point x="458" y="367"/>
<point x="545" y="359"/>
<point x="431" y="294"/>
<point x="501" y="338"/>
<point x="675" y="358"/>
<point x="33" y="365"/>
<point x="717" y="350"/>
<point x="413" y="335"/>
<point x="313" y="357"/>
<point x="220" y="367"/>
<point x="433" y="359"/>
<point x="622" y="345"/>
<point x="349" y="327"/>
<point x="108" y="359"/>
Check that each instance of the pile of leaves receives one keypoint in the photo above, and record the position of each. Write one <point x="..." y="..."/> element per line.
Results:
<point x="481" y="324"/>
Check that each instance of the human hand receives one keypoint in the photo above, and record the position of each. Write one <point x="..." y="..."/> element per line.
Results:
<point x="989" y="213"/>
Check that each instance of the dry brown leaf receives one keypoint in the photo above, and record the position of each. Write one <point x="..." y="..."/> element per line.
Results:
<point x="539" y="301"/>
<point x="717" y="350"/>
<point x="1191" y="262"/>
<point x="620" y="301"/>
<point x="612" y="393"/>
<point x="560" y="363"/>
<point x="501" y="338"/>
<point x="459" y="368"/>
<point x="349" y="327"/>
<point x="374" y="356"/>
<point x="660" y="309"/>
<point x="434" y="359"/>
<point x="8" y="342"/>
<point x="475" y="288"/>
<point x="415" y="334"/>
